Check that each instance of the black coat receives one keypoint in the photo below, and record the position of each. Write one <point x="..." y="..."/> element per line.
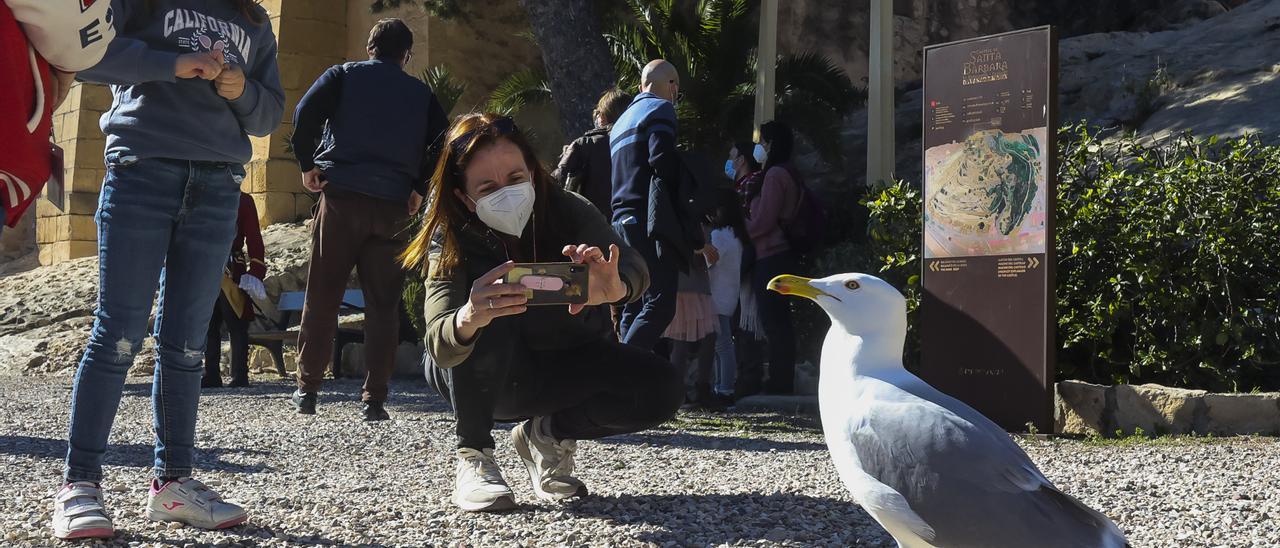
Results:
<point x="585" y="168"/>
<point x="676" y="214"/>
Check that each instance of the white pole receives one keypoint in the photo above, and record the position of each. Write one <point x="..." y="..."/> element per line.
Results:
<point x="880" y="137"/>
<point x="767" y="55"/>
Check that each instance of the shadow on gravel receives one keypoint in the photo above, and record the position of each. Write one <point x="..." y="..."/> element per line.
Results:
<point x="721" y="443"/>
<point x="739" y="518"/>
<point x="406" y="392"/>
<point x="132" y="455"/>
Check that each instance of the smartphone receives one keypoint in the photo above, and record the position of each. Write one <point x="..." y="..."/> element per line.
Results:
<point x="551" y="283"/>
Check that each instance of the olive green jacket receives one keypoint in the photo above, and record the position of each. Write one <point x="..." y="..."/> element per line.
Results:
<point x="540" y="327"/>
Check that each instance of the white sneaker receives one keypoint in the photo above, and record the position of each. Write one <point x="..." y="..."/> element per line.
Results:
<point x="78" y="512"/>
<point x="479" y="486"/>
<point x="188" y="501"/>
<point x="550" y="462"/>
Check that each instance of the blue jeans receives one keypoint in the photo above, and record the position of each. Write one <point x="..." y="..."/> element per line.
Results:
<point x="726" y="359"/>
<point x="165" y="223"/>
<point x="644" y="320"/>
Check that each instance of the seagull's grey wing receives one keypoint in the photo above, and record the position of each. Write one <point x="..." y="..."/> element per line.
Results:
<point x="973" y="487"/>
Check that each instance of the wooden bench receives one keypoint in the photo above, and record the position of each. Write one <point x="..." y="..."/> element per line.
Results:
<point x="290" y="308"/>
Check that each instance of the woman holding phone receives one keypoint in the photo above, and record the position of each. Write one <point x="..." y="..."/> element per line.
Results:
<point x="559" y="369"/>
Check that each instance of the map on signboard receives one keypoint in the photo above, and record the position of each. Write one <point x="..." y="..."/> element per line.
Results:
<point x="986" y="195"/>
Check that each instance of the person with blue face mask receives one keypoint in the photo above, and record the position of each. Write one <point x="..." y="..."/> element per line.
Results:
<point x="558" y="370"/>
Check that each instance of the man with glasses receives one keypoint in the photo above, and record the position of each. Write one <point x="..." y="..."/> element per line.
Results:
<point x="642" y="149"/>
<point x="366" y="136"/>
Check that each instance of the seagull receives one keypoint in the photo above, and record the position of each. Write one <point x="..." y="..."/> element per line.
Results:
<point x="929" y="469"/>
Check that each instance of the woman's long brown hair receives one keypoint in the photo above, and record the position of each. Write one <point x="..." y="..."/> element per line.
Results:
<point x="248" y="8"/>
<point x="446" y="215"/>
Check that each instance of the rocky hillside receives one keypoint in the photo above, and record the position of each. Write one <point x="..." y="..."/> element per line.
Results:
<point x="1213" y="77"/>
<point x="46" y="313"/>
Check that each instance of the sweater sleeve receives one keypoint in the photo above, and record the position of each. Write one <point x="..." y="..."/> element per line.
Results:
<point x="247" y="221"/>
<point x="766" y="209"/>
<point x="437" y="127"/>
<point x="68" y="35"/>
<point x="594" y="230"/>
<point x="663" y="156"/>
<point x="315" y="108"/>
<point x="571" y="162"/>
<point x="129" y="61"/>
<point x="443" y="298"/>
<point x="261" y="107"/>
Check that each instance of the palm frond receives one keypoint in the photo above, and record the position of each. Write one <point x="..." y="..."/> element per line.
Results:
<point x="527" y="87"/>
<point x="446" y="88"/>
<point x="820" y="79"/>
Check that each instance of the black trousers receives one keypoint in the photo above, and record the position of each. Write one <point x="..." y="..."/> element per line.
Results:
<point x="775" y="314"/>
<point x="602" y="388"/>
<point x="238" y="330"/>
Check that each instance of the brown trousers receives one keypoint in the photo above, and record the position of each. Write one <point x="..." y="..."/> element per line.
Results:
<point x="353" y="230"/>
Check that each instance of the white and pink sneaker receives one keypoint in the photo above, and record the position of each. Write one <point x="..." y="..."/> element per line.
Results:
<point x="78" y="512"/>
<point x="186" y="500"/>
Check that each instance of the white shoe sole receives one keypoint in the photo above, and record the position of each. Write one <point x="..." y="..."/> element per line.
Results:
<point x="500" y="504"/>
<point x="92" y="532"/>
<point x="522" y="443"/>
<point x="160" y="515"/>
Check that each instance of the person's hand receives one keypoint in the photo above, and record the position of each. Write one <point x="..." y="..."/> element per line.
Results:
<point x="61" y="84"/>
<point x="198" y="65"/>
<point x="253" y="286"/>
<point x="490" y="300"/>
<point x="312" y="180"/>
<point x="230" y="82"/>
<point x="604" y="285"/>
<point x="415" y="203"/>
<point x="711" y="254"/>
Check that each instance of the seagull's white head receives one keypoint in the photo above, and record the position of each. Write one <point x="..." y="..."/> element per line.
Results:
<point x="862" y="304"/>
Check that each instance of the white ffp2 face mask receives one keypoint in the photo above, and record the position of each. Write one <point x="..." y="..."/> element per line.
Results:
<point x="508" y="209"/>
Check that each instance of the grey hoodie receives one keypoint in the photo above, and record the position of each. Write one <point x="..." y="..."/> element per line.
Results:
<point x="155" y="115"/>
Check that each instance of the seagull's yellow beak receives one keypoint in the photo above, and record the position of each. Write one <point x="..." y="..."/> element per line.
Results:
<point x="797" y="286"/>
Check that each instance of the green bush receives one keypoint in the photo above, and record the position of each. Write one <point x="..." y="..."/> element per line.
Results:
<point x="1167" y="260"/>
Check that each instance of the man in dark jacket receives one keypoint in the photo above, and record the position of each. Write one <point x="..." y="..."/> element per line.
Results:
<point x="378" y="130"/>
<point x="584" y="167"/>
<point x="643" y="152"/>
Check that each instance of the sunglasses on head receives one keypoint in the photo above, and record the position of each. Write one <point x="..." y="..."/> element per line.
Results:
<point x="501" y="126"/>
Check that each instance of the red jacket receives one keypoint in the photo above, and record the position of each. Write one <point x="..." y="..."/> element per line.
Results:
<point x="73" y="35"/>
<point x="248" y="234"/>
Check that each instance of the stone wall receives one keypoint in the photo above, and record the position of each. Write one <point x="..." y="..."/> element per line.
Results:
<point x="310" y="34"/>
<point x="1092" y="409"/>
<point x="71" y="233"/>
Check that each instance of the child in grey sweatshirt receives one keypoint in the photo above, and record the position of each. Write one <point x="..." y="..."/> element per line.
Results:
<point x="191" y="81"/>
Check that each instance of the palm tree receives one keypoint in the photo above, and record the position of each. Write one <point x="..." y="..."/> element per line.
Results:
<point x="712" y="43"/>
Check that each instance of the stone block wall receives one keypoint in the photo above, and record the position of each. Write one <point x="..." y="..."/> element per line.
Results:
<point x="71" y="233"/>
<point x="311" y="35"/>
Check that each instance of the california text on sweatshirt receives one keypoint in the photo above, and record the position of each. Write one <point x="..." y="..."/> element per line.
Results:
<point x="156" y="115"/>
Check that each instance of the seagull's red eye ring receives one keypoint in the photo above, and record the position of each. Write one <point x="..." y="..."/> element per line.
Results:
<point x="852" y="285"/>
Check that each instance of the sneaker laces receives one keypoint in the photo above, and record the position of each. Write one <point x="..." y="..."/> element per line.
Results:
<point x="564" y="452"/>
<point x="481" y="466"/>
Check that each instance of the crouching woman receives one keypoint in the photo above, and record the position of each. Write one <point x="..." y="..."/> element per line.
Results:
<point x="558" y="369"/>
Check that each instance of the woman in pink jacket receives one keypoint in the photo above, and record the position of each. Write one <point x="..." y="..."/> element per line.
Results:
<point x="771" y="202"/>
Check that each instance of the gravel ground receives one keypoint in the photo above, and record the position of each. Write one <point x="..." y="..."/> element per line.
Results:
<point x="702" y="480"/>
